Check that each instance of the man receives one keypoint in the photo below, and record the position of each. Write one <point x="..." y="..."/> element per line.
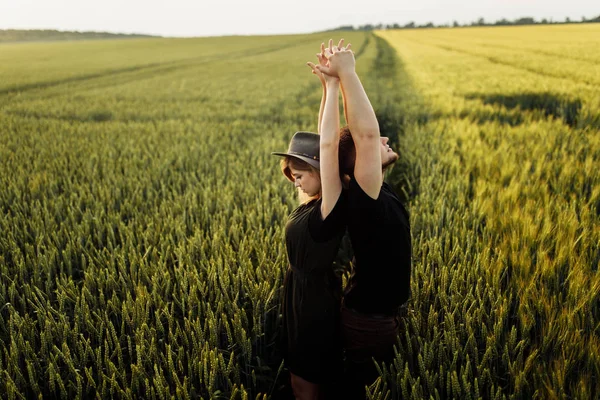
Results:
<point x="378" y="225"/>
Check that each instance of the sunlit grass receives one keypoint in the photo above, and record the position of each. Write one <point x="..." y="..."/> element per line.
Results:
<point x="506" y="219"/>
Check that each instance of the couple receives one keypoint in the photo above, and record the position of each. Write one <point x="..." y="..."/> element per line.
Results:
<point x="329" y="342"/>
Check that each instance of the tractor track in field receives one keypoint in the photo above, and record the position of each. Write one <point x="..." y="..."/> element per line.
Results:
<point x="152" y="68"/>
<point x="541" y="52"/>
<point x="495" y="60"/>
<point x="138" y="73"/>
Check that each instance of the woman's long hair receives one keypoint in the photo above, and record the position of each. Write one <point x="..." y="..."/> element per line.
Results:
<point x="292" y="162"/>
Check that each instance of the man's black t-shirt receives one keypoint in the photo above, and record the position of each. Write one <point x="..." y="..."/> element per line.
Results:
<point x="380" y="235"/>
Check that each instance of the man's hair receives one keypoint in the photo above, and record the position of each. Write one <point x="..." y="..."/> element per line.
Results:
<point x="292" y="162"/>
<point x="346" y="152"/>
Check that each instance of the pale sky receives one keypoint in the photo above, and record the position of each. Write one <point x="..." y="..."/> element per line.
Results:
<point x="257" y="17"/>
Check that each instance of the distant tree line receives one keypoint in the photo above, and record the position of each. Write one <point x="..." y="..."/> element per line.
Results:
<point x="456" y="24"/>
<point x="23" y="35"/>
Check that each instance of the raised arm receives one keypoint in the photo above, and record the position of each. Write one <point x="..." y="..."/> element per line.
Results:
<point x="361" y="121"/>
<point x="340" y="46"/>
<point x="331" y="185"/>
<point x="322" y="107"/>
<point x="344" y="102"/>
<point x="323" y="62"/>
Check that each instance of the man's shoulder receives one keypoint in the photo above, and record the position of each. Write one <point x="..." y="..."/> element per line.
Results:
<point x="387" y="200"/>
<point x="387" y="188"/>
<point x="392" y="201"/>
<point x="355" y="190"/>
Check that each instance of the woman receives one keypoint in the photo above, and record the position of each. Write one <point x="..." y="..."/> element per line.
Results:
<point x="311" y="290"/>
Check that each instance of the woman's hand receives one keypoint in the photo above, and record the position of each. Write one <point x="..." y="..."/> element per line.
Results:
<point x="321" y="61"/>
<point x="326" y="79"/>
<point x="323" y="58"/>
<point x="337" y="60"/>
<point x="317" y="73"/>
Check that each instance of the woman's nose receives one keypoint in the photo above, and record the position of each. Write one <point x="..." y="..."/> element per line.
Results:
<point x="385" y="139"/>
<point x="296" y="183"/>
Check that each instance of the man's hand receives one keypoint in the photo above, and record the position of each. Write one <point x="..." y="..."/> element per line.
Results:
<point x="340" y="60"/>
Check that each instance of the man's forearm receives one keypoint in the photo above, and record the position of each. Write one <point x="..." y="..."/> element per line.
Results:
<point x="344" y="102"/>
<point x="358" y="110"/>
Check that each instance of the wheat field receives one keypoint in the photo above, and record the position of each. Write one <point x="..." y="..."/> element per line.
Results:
<point x="506" y="212"/>
<point x="141" y="245"/>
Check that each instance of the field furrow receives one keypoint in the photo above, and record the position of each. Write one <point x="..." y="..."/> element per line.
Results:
<point x="102" y="58"/>
<point x="541" y="64"/>
<point x="564" y="41"/>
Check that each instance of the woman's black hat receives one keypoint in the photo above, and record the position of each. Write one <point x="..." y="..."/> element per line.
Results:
<point x="304" y="146"/>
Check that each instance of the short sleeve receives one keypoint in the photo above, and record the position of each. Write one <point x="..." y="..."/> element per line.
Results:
<point x="322" y="230"/>
<point x="361" y="204"/>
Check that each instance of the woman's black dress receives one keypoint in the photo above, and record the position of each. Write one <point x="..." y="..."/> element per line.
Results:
<point x="312" y="292"/>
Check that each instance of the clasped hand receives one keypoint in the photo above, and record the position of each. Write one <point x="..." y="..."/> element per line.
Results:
<point x="333" y="61"/>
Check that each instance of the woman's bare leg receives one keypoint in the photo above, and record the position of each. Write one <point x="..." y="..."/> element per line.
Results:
<point x="305" y="390"/>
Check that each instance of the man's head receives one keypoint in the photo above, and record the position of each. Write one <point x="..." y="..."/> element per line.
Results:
<point x="347" y="152"/>
<point x="388" y="156"/>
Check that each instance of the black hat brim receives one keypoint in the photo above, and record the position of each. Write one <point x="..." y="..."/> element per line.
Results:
<point x="308" y="160"/>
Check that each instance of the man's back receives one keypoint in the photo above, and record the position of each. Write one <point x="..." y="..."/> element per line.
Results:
<point x="380" y="235"/>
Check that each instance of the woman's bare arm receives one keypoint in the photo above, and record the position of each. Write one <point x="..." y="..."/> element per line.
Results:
<point x="322" y="60"/>
<point x="331" y="185"/>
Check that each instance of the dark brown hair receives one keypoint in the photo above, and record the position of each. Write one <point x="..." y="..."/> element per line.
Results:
<point x="293" y="162"/>
<point x="346" y="152"/>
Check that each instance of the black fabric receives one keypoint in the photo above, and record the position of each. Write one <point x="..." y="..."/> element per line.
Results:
<point x="365" y="338"/>
<point x="312" y="292"/>
<point x="380" y="235"/>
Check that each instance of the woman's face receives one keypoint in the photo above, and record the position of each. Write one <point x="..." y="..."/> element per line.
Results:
<point x="307" y="181"/>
